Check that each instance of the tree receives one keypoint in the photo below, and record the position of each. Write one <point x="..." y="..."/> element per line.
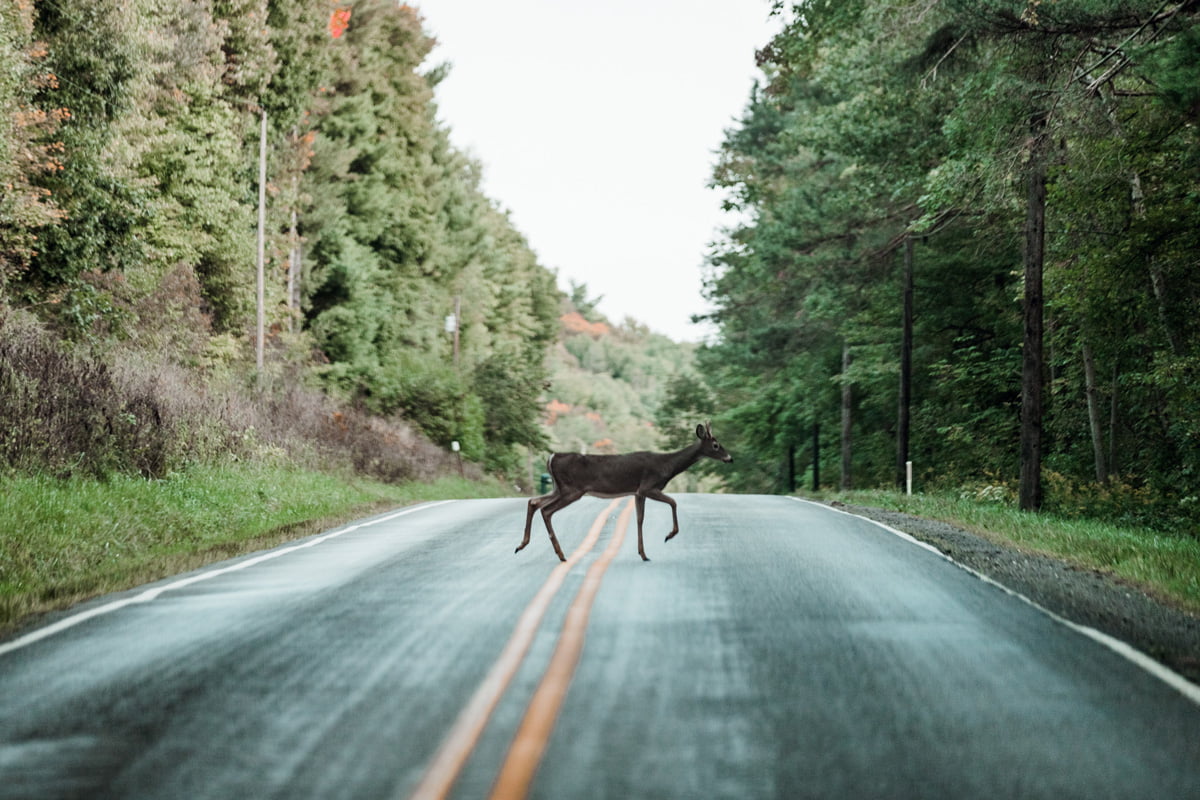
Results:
<point x="28" y="150"/>
<point x="1026" y="145"/>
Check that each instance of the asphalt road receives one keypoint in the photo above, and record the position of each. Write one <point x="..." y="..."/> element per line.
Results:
<point x="774" y="649"/>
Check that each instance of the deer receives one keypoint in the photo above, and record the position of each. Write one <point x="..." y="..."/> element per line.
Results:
<point x="642" y="474"/>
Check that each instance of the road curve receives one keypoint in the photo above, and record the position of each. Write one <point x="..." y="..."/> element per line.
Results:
<point x="774" y="649"/>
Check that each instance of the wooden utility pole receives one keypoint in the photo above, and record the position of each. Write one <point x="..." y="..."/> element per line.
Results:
<point x="906" y="345"/>
<point x="262" y="238"/>
<point x="457" y="324"/>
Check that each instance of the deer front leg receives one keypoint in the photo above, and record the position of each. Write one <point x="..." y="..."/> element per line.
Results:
<point x="639" y="502"/>
<point x="656" y="494"/>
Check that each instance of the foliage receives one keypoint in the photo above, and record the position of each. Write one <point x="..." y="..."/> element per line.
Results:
<point x="129" y="160"/>
<point x="919" y="120"/>
<point x="69" y="411"/>
<point x="608" y="382"/>
<point x="401" y="237"/>
<point x="28" y="150"/>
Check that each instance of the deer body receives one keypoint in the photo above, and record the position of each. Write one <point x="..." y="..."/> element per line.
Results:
<point x="642" y="474"/>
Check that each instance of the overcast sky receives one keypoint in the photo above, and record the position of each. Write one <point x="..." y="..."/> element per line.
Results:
<point x="597" y="125"/>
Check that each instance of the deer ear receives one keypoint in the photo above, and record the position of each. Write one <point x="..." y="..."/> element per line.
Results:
<point x="699" y="431"/>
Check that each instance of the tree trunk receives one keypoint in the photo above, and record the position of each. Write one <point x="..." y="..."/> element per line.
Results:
<point x="1113" y="467"/>
<point x="1032" y="361"/>
<point x="1093" y="406"/>
<point x="790" y="469"/>
<point x="816" y="445"/>
<point x="1158" y="284"/>
<point x="906" y="344"/>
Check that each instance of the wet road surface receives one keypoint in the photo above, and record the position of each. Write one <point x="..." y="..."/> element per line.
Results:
<point x="774" y="649"/>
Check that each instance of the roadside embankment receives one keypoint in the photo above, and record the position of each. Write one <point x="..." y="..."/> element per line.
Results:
<point x="69" y="540"/>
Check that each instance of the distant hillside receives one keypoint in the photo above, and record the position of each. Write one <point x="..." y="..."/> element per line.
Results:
<point x="606" y="382"/>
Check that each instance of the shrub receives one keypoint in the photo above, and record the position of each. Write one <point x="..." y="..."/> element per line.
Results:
<point x="70" y="412"/>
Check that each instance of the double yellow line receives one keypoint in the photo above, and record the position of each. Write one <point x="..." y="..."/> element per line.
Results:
<point x="529" y="743"/>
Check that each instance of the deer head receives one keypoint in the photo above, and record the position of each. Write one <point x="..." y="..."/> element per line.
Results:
<point x="711" y="447"/>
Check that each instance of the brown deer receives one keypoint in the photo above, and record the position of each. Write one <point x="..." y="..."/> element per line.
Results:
<point x="642" y="474"/>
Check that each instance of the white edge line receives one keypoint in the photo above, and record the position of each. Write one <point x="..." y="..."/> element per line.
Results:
<point x="1165" y="674"/>
<point x="153" y="594"/>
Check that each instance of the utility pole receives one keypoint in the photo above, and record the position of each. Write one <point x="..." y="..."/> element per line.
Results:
<point x="453" y="324"/>
<point x="293" y="275"/>
<point x="457" y="324"/>
<point x="262" y="238"/>
<point x="906" y="345"/>
<point x="847" y="418"/>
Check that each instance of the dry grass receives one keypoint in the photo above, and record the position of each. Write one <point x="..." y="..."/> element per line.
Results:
<point x="67" y="412"/>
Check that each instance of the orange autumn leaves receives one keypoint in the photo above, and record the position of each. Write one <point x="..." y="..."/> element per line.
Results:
<point x="339" y="21"/>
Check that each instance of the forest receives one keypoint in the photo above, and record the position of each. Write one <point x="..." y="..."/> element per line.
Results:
<point x="967" y="238"/>
<point x="221" y="219"/>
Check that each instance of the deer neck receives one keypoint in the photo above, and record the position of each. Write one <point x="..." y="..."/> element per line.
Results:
<point x="682" y="459"/>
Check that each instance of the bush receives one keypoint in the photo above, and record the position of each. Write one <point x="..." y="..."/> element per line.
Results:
<point x="1121" y="501"/>
<point x="65" y="413"/>
<point x="69" y="413"/>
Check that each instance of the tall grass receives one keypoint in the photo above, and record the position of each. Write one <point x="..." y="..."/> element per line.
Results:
<point x="1166" y="564"/>
<point x="67" y="540"/>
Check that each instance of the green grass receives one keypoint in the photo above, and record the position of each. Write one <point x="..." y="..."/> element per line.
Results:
<point x="1164" y="564"/>
<point x="65" y="541"/>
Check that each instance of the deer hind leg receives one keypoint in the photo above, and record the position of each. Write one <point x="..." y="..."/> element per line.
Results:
<point x="548" y="509"/>
<point x="655" y="494"/>
<point x="534" y="504"/>
<point x="639" y="502"/>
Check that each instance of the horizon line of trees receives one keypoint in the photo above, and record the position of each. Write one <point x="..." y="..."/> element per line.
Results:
<point x="969" y="239"/>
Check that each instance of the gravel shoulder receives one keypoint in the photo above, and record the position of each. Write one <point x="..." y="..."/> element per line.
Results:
<point x="1084" y="596"/>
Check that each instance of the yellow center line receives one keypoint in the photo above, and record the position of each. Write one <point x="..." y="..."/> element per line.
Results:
<point x="529" y="744"/>
<point x="448" y="762"/>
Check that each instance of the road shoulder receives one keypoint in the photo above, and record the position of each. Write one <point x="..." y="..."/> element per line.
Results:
<point x="1084" y="596"/>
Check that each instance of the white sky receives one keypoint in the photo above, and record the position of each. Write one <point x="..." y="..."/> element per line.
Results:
<point x="597" y="124"/>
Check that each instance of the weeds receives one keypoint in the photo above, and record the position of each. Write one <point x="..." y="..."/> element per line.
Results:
<point x="71" y="412"/>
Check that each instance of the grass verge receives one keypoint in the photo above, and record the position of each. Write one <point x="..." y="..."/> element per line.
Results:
<point x="1166" y="565"/>
<point x="64" y="541"/>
